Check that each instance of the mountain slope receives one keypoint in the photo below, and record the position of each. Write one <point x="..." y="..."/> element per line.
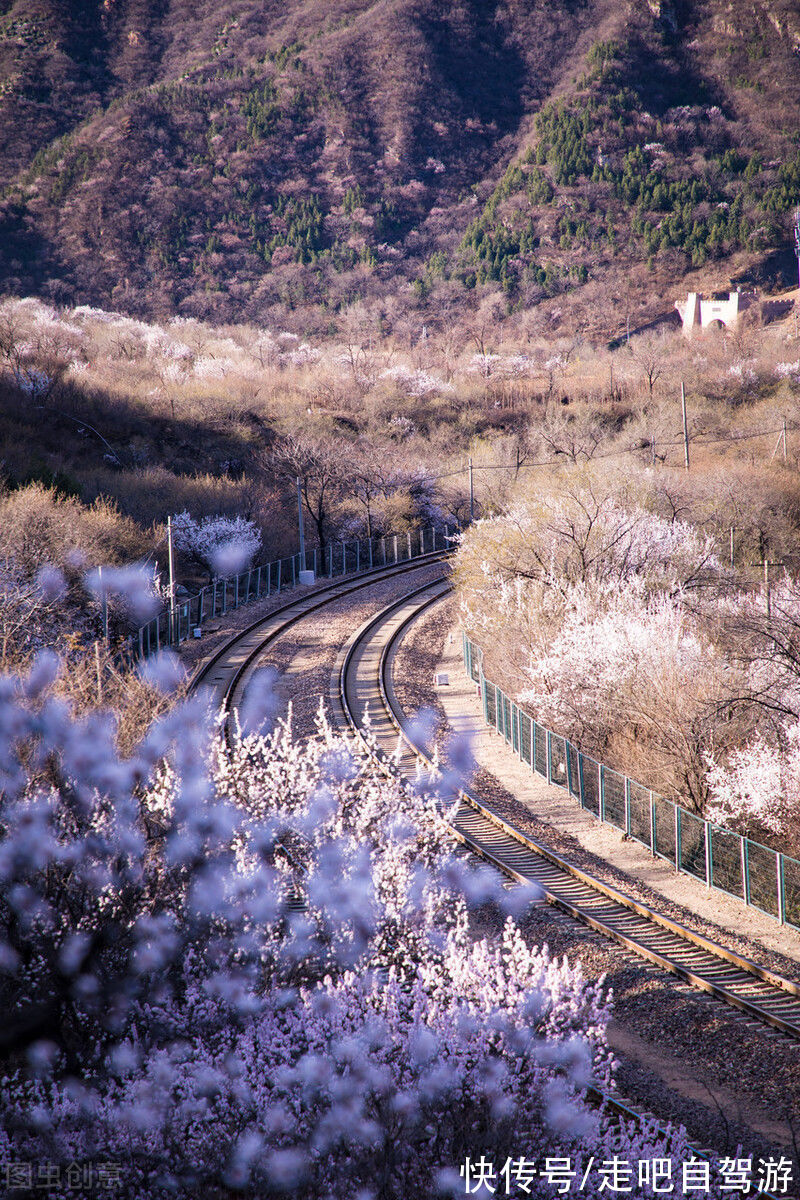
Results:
<point x="288" y="158"/>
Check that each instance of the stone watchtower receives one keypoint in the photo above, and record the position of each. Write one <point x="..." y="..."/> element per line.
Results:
<point x="698" y="313"/>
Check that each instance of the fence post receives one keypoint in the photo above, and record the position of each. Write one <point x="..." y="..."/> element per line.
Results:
<point x="627" y="806"/>
<point x="315" y="562"/>
<point x="409" y="544"/>
<point x="280" y="567"/>
<point x="294" y="570"/>
<point x="395" y="547"/>
<point x="781" y="889"/>
<point x="709" y="865"/>
<point x="745" y="872"/>
<point x="383" y="550"/>
<point x="358" y="555"/>
<point x="236" y="591"/>
<point x="549" y="757"/>
<point x="602" y="792"/>
<point x="344" y="558"/>
<point x="330" y="560"/>
<point x="370" y="554"/>
<point x="678" y="855"/>
<point x="652" y="824"/>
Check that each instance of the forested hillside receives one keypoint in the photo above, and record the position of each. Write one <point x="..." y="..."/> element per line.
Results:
<point x="282" y="160"/>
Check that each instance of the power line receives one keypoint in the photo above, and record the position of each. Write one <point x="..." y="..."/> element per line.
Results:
<point x="667" y="443"/>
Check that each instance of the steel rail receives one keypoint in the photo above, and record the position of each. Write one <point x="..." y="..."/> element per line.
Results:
<point x="247" y="645"/>
<point x="761" y="995"/>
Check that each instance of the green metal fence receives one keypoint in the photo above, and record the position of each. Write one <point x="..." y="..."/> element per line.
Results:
<point x="169" y="628"/>
<point x="764" y="878"/>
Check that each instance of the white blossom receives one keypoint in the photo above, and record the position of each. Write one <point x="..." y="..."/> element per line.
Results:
<point x="225" y="544"/>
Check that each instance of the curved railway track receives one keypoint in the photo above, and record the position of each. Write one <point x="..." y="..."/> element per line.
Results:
<point x="364" y="679"/>
<point x="226" y="672"/>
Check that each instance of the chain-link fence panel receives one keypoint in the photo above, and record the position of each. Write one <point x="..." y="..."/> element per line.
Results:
<point x="791" y="891"/>
<point x="515" y="728"/>
<point x="474" y="664"/>
<point x="558" y="760"/>
<point x="573" y="771"/>
<point x="590" y="784"/>
<point x="639" y="809"/>
<point x="540" y="749"/>
<point x="664" y="812"/>
<point x="613" y="797"/>
<point x="726" y="861"/>
<point x="525" y="738"/>
<point x="506" y="717"/>
<point x="762" y="877"/>
<point x="489" y="703"/>
<point x="692" y="844"/>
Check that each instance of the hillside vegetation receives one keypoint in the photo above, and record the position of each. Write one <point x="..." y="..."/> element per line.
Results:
<point x="281" y="161"/>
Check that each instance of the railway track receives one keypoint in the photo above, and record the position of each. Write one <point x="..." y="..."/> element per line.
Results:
<point x="365" y="679"/>
<point x="226" y="672"/>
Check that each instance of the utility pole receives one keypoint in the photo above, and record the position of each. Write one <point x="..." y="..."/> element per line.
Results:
<point x="104" y="598"/>
<point x="471" y="494"/>
<point x="780" y="444"/>
<point x="300" y="526"/>
<point x="171" y="581"/>
<point x="685" y="427"/>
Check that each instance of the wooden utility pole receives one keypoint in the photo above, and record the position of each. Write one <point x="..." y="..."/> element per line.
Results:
<point x="98" y="671"/>
<point x="685" y="427"/>
<point x="104" y="596"/>
<point x="171" y="582"/>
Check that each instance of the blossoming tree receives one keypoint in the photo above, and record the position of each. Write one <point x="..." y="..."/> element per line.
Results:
<point x="249" y="970"/>
<point x="224" y="545"/>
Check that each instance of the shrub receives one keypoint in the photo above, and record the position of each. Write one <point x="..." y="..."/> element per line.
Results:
<point x="41" y="527"/>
